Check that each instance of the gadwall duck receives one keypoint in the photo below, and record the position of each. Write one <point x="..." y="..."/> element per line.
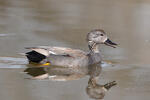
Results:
<point x="67" y="57"/>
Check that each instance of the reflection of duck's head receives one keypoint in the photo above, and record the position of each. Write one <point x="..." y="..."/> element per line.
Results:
<point x="98" y="36"/>
<point x="97" y="91"/>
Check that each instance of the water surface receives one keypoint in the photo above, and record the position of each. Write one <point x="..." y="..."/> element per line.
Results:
<point x="65" y="23"/>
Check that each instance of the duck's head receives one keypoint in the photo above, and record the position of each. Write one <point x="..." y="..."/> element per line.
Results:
<point x="98" y="36"/>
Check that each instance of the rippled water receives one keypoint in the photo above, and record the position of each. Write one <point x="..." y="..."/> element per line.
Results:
<point x="65" y="23"/>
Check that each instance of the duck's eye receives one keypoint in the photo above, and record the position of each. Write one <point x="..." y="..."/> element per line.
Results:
<point x="102" y="34"/>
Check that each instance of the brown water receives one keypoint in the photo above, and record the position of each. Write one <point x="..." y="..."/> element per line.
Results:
<point x="65" y="23"/>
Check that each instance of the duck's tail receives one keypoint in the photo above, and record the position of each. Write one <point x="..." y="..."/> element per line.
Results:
<point x="35" y="57"/>
<point x="37" y="54"/>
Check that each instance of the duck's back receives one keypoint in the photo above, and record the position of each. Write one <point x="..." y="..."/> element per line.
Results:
<point x="67" y="51"/>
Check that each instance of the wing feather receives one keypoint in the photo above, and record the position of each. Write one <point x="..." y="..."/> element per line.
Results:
<point x="47" y="50"/>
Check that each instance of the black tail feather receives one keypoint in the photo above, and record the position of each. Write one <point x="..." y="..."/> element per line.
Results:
<point x="34" y="56"/>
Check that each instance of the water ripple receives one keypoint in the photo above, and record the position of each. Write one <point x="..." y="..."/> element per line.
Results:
<point x="11" y="62"/>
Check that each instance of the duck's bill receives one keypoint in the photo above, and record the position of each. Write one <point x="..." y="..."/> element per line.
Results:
<point x="110" y="43"/>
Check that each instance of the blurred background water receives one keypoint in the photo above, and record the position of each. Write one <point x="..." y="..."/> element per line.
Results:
<point x="65" y="23"/>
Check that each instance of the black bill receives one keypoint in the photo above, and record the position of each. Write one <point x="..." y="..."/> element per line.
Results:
<point x="110" y="43"/>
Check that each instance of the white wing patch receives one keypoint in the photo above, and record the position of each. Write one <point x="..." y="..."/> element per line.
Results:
<point x="51" y="52"/>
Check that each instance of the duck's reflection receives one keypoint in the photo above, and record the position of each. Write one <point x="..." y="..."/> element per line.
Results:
<point x="97" y="91"/>
<point x="37" y="73"/>
<point x="56" y="73"/>
<point x="94" y="90"/>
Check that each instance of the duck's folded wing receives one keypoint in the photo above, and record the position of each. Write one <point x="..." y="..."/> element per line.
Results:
<point x="47" y="50"/>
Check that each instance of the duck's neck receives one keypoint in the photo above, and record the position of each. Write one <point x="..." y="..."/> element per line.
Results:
<point x="94" y="47"/>
<point x="94" y="54"/>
